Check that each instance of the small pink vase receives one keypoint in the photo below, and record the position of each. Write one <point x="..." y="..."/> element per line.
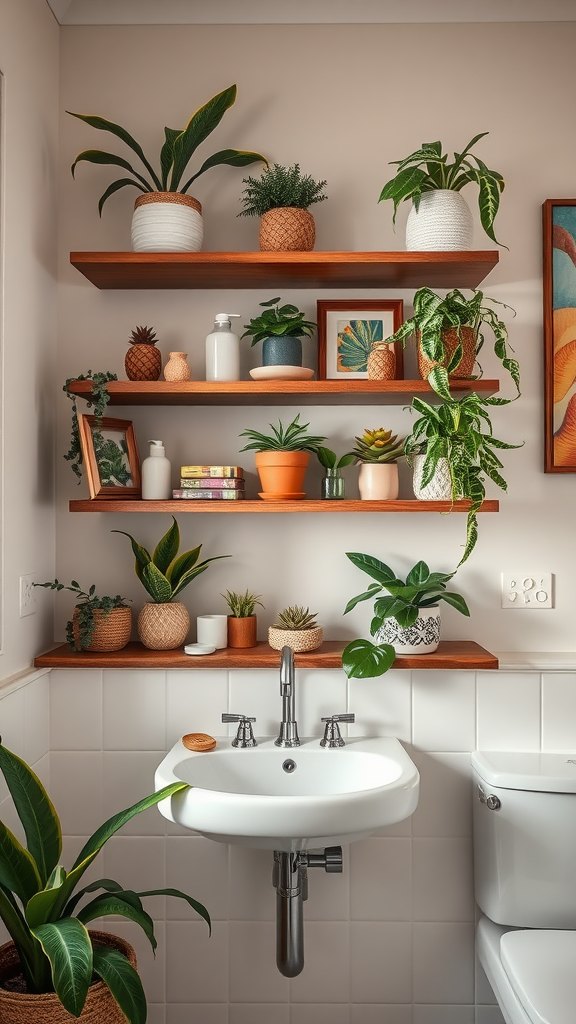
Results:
<point x="177" y="368"/>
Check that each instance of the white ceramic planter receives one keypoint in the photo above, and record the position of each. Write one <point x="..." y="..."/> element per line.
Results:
<point x="378" y="481"/>
<point x="440" y="486"/>
<point x="422" y="637"/>
<point x="167" y="222"/>
<point x="442" y="222"/>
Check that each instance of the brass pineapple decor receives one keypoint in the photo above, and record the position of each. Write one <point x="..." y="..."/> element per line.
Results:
<point x="143" y="360"/>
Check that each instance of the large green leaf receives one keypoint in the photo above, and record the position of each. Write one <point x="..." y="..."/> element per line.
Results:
<point x="123" y="981"/>
<point x="167" y="154"/>
<point x="156" y="584"/>
<point x="456" y="600"/>
<point x="182" y="564"/>
<point x="40" y="909"/>
<point x="115" y="187"/>
<point x="101" y="883"/>
<point x="115" y="129"/>
<point x="362" y="659"/>
<point x="141" y="554"/>
<point x="68" y="947"/>
<point x="198" y="907"/>
<point x="200" y="126"/>
<point x="232" y="157"/>
<point x="187" y="577"/>
<point x="35" y="810"/>
<point x="18" y="871"/>
<point x="167" y="548"/>
<point x="19" y="932"/>
<point x="96" y="156"/>
<point x="418" y="574"/>
<point x="373" y="589"/>
<point x="405" y="185"/>
<point x="107" y="904"/>
<point x="372" y="566"/>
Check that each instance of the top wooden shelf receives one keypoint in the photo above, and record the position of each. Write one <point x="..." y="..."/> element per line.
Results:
<point x="292" y="269"/>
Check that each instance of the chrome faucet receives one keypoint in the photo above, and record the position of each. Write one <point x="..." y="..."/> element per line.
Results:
<point x="288" y="736"/>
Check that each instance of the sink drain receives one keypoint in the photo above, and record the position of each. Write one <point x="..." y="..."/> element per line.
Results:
<point x="289" y="766"/>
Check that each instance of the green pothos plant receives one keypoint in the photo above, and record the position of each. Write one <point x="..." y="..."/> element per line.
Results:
<point x="99" y="400"/>
<point x="88" y="602"/>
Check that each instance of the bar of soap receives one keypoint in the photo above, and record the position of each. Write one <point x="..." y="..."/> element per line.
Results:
<point x="198" y="741"/>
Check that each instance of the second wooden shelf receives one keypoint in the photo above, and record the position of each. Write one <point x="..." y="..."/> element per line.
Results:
<point x="244" y="506"/>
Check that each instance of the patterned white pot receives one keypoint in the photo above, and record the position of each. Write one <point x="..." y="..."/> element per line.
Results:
<point x="442" y="222"/>
<point x="440" y="486"/>
<point x="167" y="222"/>
<point x="422" y="637"/>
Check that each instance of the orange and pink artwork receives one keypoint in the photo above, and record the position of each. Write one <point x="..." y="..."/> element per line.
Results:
<point x="560" y="334"/>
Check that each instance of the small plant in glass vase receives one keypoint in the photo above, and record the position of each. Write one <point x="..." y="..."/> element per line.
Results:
<point x="295" y="627"/>
<point x="407" y="621"/>
<point x="282" y="458"/>
<point x="333" y="484"/>
<point x="98" y="623"/>
<point x="280" y="329"/>
<point x="281" y="197"/>
<point x="376" y="452"/>
<point x="242" y="620"/>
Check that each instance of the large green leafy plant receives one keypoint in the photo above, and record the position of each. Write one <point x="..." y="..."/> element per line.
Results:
<point x="164" y="573"/>
<point x="285" y="321"/>
<point x="433" y="315"/>
<point x="175" y="155"/>
<point x="428" y="169"/>
<point x="45" y="911"/>
<point x="363" y="659"/>
<point x="280" y="186"/>
<point x="293" y="438"/>
<point x="88" y="603"/>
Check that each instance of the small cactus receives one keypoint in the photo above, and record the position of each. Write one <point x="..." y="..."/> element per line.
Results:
<point x="296" y="617"/>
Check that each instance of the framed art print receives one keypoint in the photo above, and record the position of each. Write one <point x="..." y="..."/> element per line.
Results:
<point x="110" y="456"/>
<point x="347" y="329"/>
<point x="559" y="223"/>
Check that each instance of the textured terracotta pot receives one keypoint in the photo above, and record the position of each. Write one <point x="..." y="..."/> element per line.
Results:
<point x="451" y="341"/>
<point x="378" y="481"/>
<point x="287" y="229"/>
<point x="162" y="627"/>
<point x="282" y="473"/>
<point x="111" y="631"/>
<point x="242" y="632"/>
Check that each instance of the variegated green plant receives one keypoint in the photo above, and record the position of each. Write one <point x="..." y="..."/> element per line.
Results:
<point x="46" y="913"/>
<point x="428" y="169"/>
<point x="164" y="574"/>
<point x="179" y="147"/>
<point x="355" y="343"/>
<point x="293" y="438"/>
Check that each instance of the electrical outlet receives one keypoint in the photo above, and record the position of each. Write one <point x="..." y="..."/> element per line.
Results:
<point x="527" y="590"/>
<point x="27" y="595"/>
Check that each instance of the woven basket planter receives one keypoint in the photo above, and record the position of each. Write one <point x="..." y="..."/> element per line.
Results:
<point x="23" y="1008"/>
<point x="297" y="639"/>
<point x="163" y="627"/>
<point x="442" y="223"/>
<point x="167" y="222"/>
<point x="451" y="341"/>
<point x="440" y="486"/>
<point x="287" y="229"/>
<point x="111" y="631"/>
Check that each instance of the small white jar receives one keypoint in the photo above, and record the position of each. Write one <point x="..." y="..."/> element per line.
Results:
<point x="213" y="630"/>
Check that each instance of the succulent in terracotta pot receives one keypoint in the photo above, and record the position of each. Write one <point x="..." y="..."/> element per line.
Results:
<point x="282" y="457"/>
<point x="242" y="620"/>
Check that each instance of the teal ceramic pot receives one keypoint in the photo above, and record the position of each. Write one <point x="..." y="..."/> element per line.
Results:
<point x="282" y="351"/>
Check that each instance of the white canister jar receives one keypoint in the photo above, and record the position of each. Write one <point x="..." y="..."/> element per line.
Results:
<point x="223" y="350"/>
<point x="213" y="630"/>
<point x="167" y="222"/>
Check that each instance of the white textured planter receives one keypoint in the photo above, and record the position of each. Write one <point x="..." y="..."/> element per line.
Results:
<point x="422" y="637"/>
<point x="167" y="222"/>
<point x="378" y="481"/>
<point x="442" y="222"/>
<point x="440" y="486"/>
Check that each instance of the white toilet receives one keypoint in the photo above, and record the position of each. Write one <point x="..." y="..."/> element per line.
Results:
<point x="525" y="882"/>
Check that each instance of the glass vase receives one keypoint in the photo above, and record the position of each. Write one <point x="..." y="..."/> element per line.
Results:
<point x="332" y="485"/>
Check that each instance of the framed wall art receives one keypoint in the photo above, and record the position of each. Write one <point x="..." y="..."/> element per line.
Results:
<point x="110" y="457"/>
<point x="347" y="329"/>
<point x="559" y="223"/>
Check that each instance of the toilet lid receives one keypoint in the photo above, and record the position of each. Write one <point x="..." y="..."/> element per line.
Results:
<point x="541" y="969"/>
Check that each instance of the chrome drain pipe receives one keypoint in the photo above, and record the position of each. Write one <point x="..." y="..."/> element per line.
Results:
<point x="290" y="879"/>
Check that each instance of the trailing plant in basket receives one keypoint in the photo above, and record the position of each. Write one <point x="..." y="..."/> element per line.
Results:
<point x="164" y="573"/>
<point x="99" y="399"/>
<point x="280" y="186"/>
<point x="285" y="321"/>
<point x="362" y="659"/>
<point x="40" y="902"/>
<point x="89" y="603"/>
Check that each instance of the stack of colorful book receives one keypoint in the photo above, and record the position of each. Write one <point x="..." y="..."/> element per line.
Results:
<point x="211" y="482"/>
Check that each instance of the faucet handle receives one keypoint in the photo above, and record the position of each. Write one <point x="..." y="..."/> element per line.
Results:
<point x="244" y="736"/>
<point x="332" y="736"/>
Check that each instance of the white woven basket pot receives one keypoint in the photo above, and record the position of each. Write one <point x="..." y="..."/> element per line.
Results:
<point x="167" y="222"/>
<point x="422" y="637"/>
<point x="297" y="639"/>
<point x="442" y="222"/>
<point x="440" y="486"/>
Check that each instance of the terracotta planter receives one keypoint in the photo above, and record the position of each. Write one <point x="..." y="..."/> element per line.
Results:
<point x="111" y="631"/>
<point x="282" y="474"/>
<point x="451" y="341"/>
<point x="297" y="639"/>
<point x="167" y="222"/>
<point x="378" y="481"/>
<point x="163" y="627"/>
<point x="242" y="632"/>
<point x="422" y="637"/>
<point x="23" y="1008"/>
<point x="287" y="229"/>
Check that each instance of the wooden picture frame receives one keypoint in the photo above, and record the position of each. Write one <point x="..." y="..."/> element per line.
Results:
<point x="101" y="470"/>
<point x="559" y="238"/>
<point x="333" y="313"/>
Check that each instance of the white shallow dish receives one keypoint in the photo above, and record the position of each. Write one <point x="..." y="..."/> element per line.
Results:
<point x="199" y="649"/>
<point x="281" y="373"/>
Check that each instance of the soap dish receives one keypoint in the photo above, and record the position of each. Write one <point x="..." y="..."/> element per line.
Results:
<point x="199" y="649"/>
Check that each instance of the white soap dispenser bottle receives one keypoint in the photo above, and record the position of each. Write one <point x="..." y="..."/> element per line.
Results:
<point x="223" y="350"/>
<point x="156" y="473"/>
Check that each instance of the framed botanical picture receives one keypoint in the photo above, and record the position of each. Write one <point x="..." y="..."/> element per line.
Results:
<point x="347" y="329"/>
<point x="110" y="456"/>
<point x="560" y="335"/>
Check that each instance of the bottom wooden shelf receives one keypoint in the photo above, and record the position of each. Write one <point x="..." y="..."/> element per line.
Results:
<point x="451" y="654"/>
<point x="257" y="505"/>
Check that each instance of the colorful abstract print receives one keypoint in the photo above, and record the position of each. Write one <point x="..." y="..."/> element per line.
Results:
<point x="564" y="333"/>
<point x="355" y="340"/>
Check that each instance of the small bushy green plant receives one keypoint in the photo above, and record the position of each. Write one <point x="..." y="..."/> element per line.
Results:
<point x="293" y="438"/>
<point x="280" y="186"/>
<point x="242" y="606"/>
<point x="285" y="321"/>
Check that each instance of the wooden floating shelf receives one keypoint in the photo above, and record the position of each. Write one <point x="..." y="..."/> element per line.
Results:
<point x="288" y="269"/>
<point x="248" y="506"/>
<point x="287" y="392"/>
<point x="451" y="654"/>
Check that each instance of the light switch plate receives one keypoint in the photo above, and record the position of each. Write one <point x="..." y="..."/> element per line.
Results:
<point x="527" y="590"/>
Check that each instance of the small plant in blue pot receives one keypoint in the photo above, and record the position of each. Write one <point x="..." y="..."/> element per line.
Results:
<point x="280" y="329"/>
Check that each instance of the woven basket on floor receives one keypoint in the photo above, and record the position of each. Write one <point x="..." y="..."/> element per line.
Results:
<point x="162" y="627"/>
<point x="297" y="639"/>
<point x="451" y="341"/>
<point x="287" y="229"/>
<point x="111" y="631"/>
<point x="24" y="1008"/>
<point x="381" y="362"/>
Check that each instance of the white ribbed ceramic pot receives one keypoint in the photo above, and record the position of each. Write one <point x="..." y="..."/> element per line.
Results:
<point x="378" y="481"/>
<point x="440" y="486"/>
<point x="167" y="222"/>
<point x="422" y="637"/>
<point x="442" y="222"/>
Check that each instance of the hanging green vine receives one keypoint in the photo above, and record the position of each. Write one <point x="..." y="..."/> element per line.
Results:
<point x="99" y="400"/>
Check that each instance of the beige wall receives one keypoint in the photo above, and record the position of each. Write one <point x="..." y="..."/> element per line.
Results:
<point x="29" y="63"/>
<point x="343" y="101"/>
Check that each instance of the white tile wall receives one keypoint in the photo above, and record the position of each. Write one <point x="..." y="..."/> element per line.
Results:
<point x="391" y="940"/>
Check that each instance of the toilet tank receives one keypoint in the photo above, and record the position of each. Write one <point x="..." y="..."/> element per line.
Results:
<point x="525" y="838"/>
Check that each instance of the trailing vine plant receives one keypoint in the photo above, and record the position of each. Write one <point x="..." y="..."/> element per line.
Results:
<point x="99" y="400"/>
<point x="79" y="633"/>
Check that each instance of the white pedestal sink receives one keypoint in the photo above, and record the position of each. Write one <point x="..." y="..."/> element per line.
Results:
<point x="304" y="798"/>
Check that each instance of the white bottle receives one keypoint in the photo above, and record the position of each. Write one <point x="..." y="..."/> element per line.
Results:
<point x="223" y="350"/>
<point x="156" y="473"/>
